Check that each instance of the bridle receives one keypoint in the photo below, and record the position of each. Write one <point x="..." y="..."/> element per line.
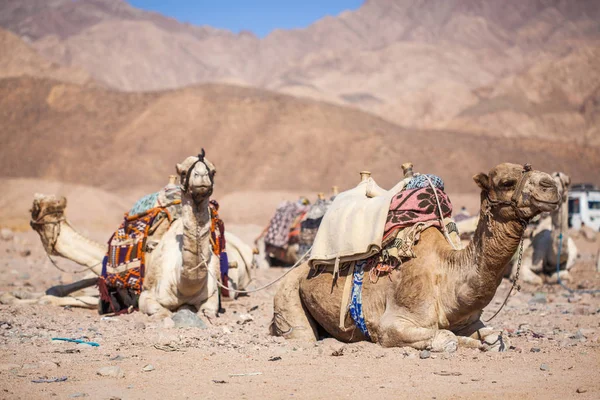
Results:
<point x="211" y="175"/>
<point x="40" y="222"/>
<point x="514" y="200"/>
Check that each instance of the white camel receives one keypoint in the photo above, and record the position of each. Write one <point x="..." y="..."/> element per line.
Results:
<point x="168" y="281"/>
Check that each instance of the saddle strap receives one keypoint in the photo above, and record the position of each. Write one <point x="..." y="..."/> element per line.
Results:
<point x="346" y="295"/>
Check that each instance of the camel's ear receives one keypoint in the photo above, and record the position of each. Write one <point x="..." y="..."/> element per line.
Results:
<point x="482" y="180"/>
<point x="179" y="169"/>
<point x="62" y="202"/>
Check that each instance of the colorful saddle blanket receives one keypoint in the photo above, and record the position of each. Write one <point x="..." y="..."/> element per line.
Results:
<point x="280" y="227"/>
<point x="412" y="206"/>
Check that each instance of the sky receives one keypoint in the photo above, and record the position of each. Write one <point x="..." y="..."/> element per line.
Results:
<point x="257" y="16"/>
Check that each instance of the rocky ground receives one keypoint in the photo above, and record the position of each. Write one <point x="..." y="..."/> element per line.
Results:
<point x="554" y="353"/>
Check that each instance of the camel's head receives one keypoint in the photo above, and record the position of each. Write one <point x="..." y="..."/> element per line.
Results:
<point x="518" y="191"/>
<point x="47" y="212"/>
<point x="197" y="176"/>
<point x="563" y="181"/>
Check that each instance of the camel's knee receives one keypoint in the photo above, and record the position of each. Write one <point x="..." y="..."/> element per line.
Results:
<point x="290" y="318"/>
<point x="149" y="305"/>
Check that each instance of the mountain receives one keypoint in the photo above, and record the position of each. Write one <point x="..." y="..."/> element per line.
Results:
<point x="419" y="63"/>
<point x="259" y="140"/>
<point x="18" y="59"/>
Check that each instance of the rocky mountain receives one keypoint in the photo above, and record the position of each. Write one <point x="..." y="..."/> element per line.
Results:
<point x="259" y="140"/>
<point x="18" y="59"/>
<point x="420" y="63"/>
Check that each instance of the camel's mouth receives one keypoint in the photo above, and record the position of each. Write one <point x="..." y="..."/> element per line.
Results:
<point x="545" y="205"/>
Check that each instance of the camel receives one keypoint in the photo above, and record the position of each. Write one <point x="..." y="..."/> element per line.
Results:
<point x="541" y="251"/>
<point x="59" y="238"/>
<point x="433" y="301"/>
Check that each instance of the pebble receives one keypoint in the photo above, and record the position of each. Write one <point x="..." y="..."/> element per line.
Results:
<point x="76" y="395"/>
<point x="168" y="323"/>
<point x="139" y="325"/>
<point x="424" y="354"/>
<point x="244" y="318"/>
<point x="113" y="372"/>
<point x="535" y="350"/>
<point x="187" y="319"/>
<point x="581" y="390"/>
<point x="578" y="336"/>
<point x="544" y="367"/>
<point x="148" y="368"/>
<point x="6" y="234"/>
<point x="539" y="298"/>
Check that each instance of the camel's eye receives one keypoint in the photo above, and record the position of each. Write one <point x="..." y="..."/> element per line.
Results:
<point x="508" y="184"/>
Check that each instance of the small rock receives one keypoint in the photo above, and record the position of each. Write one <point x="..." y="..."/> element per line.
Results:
<point x="148" y="368"/>
<point x="581" y="390"/>
<point x="277" y="358"/>
<point x="535" y="350"/>
<point x="225" y="329"/>
<point x="168" y="323"/>
<point x="339" y="352"/>
<point x="77" y="395"/>
<point x="139" y="325"/>
<point x="25" y="253"/>
<point x="187" y="319"/>
<point x="578" y="336"/>
<point x="113" y="372"/>
<point x="544" y="367"/>
<point x="424" y="354"/>
<point x="6" y="234"/>
<point x="245" y="318"/>
<point x="539" y="298"/>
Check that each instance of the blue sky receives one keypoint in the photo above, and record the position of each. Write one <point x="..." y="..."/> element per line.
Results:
<point x="258" y="16"/>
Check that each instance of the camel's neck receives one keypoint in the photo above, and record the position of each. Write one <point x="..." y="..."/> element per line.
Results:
<point x="72" y="245"/>
<point x="196" y="239"/>
<point x="482" y="263"/>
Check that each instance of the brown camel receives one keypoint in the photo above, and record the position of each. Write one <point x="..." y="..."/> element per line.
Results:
<point x="435" y="300"/>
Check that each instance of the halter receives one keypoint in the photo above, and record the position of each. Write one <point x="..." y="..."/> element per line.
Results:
<point x="56" y="230"/>
<point x="514" y="200"/>
<point x="186" y="183"/>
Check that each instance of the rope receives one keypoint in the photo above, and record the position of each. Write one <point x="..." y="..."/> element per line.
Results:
<point x="86" y="269"/>
<point x="437" y="200"/>
<point x="298" y="263"/>
<point x="514" y="282"/>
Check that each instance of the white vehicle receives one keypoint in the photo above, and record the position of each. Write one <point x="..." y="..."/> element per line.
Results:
<point x="584" y="206"/>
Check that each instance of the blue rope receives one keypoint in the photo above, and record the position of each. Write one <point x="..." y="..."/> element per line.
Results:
<point x="592" y="291"/>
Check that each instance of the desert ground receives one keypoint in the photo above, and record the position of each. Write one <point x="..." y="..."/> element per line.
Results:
<point x="554" y="342"/>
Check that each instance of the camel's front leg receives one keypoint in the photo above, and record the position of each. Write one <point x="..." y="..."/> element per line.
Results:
<point x="397" y="332"/>
<point x="209" y="306"/>
<point x="150" y="306"/>
<point x="478" y="336"/>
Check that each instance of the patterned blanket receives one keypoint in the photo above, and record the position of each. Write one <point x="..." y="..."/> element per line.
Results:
<point x="412" y="206"/>
<point x="310" y="224"/>
<point x="123" y="266"/>
<point x="280" y="226"/>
